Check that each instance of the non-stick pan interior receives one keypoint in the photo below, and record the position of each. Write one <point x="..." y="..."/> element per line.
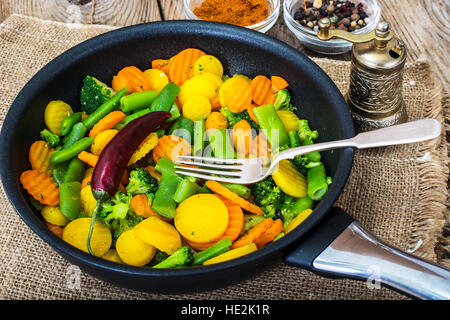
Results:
<point x="241" y="51"/>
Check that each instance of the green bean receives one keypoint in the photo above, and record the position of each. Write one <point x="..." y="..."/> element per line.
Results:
<point x="317" y="182"/>
<point x="294" y="139"/>
<point x="185" y="189"/>
<point x="78" y="131"/>
<point x="199" y="137"/>
<point x="239" y="189"/>
<point x="75" y="170"/>
<point x="213" y="251"/>
<point x="163" y="203"/>
<point x="131" y="117"/>
<point x="137" y="101"/>
<point x="72" y="151"/>
<point x="69" y="199"/>
<point x="313" y="156"/>
<point x="69" y="121"/>
<point x="104" y="109"/>
<point x="302" y="204"/>
<point x="166" y="98"/>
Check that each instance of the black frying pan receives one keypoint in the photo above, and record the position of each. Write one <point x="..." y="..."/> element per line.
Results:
<point x="328" y="242"/>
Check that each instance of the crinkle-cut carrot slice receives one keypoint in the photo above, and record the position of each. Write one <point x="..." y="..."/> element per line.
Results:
<point x="41" y="187"/>
<point x="261" y="89"/>
<point x="181" y="66"/>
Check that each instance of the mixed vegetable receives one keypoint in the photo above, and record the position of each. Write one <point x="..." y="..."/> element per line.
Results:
<point x="104" y="178"/>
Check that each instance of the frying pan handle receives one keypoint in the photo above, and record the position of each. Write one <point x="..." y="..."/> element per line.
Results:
<point x="340" y="247"/>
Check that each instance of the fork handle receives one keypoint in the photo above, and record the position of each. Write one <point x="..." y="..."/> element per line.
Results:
<point x="409" y="132"/>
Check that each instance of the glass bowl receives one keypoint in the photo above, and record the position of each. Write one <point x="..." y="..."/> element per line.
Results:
<point x="308" y="37"/>
<point x="263" y="26"/>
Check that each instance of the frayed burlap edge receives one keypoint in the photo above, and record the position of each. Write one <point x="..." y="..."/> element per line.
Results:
<point x="443" y="246"/>
<point x="433" y="176"/>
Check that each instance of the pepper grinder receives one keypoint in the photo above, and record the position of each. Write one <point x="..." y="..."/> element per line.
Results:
<point x="378" y="59"/>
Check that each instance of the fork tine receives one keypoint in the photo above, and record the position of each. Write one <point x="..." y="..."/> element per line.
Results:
<point x="207" y="177"/>
<point x="211" y="165"/>
<point x="213" y="160"/>
<point x="222" y="173"/>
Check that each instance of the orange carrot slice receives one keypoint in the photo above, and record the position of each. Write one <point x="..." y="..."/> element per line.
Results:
<point x="260" y="146"/>
<point x="39" y="156"/>
<point x="242" y="136"/>
<point x="250" y="112"/>
<point x="160" y="64"/>
<point x="230" y="195"/>
<point x="278" y="83"/>
<point x="171" y="146"/>
<point x="215" y="104"/>
<point x="253" y="233"/>
<point x="41" y="187"/>
<point x="132" y="78"/>
<point x="261" y="88"/>
<point x="107" y="122"/>
<point x="88" y="158"/>
<point x="181" y="67"/>
<point x="275" y="229"/>
<point x="141" y="207"/>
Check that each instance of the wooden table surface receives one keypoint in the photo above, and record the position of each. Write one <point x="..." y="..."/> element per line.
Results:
<point x="422" y="24"/>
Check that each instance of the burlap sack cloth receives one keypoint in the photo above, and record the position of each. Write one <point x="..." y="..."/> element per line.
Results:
<point x="398" y="193"/>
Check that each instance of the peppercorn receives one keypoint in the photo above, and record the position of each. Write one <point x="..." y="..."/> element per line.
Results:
<point x="341" y="13"/>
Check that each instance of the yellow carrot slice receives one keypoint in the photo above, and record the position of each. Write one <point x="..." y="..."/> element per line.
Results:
<point x="201" y="218"/>
<point x="76" y="234"/>
<point x="208" y="63"/>
<point x="297" y="220"/>
<point x="196" y="107"/>
<point x="158" y="79"/>
<point x="54" y="216"/>
<point x="235" y="94"/>
<point x="101" y="140"/>
<point x="232" y="254"/>
<point x="158" y="233"/>
<point x="144" y="148"/>
<point x="132" y="250"/>
<point x="290" y="180"/>
<point x="39" y="156"/>
<point x="234" y="228"/>
<point x="54" y="114"/>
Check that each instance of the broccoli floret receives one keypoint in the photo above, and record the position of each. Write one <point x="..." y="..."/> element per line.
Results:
<point x="268" y="196"/>
<point x="117" y="215"/>
<point x="305" y="132"/>
<point x="182" y="257"/>
<point x="292" y="207"/>
<point x="52" y="139"/>
<point x="140" y="181"/>
<point x="159" y="257"/>
<point x="283" y="101"/>
<point x="234" y="118"/>
<point x="94" y="93"/>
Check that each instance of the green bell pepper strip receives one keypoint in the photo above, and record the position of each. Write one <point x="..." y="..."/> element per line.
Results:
<point x="78" y="131"/>
<point x="68" y="122"/>
<point x="271" y="125"/>
<point x="220" y="143"/>
<point x="317" y="182"/>
<point x="163" y="203"/>
<point x="175" y="112"/>
<point x="137" y="101"/>
<point x="164" y="165"/>
<point x="59" y="171"/>
<point x="185" y="189"/>
<point x="218" y="248"/>
<point x="239" y="189"/>
<point x="72" y="151"/>
<point x="183" y="128"/>
<point x="104" y="109"/>
<point x="199" y="137"/>
<point x="75" y="170"/>
<point x="69" y="199"/>
<point x="166" y="98"/>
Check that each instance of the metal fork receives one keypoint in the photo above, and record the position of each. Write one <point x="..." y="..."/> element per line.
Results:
<point x="252" y="170"/>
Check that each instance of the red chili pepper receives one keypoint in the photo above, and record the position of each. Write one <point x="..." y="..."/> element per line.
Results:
<point x="114" y="158"/>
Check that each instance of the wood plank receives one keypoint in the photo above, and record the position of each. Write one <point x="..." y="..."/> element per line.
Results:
<point x="109" y="12"/>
